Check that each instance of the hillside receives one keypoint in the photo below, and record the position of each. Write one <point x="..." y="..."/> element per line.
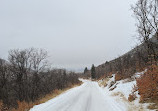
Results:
<point x="129" y="63"/>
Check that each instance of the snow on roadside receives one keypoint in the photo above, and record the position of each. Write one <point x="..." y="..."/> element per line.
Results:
<point x="120" y="90"/>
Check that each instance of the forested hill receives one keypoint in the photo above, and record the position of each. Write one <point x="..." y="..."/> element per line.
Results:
<point x="127" y="64"/>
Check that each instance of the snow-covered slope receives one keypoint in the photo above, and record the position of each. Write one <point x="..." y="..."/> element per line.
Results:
<point x="120" y="90"/>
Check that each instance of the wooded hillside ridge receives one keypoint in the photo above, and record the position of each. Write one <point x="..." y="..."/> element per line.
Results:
<point x="126" y="65"/>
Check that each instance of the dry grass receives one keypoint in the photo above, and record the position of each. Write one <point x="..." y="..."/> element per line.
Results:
<point x="1" y="104"/>
<point x="23" y="106"/>
<point x="132" y="97"/>
<point x="56" y="93"/>
<point x="120" y="95"/>
<point x="129" y="80"/>
<point x="104" y="82"/>
<point x="154" y="104"/>
<point x="131" y="106"/>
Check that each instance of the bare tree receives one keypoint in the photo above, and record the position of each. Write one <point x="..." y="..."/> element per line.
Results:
<point x="20" y="66"/>
<point x="146" y="13"/>
<point x="23" y="63"/>
<point x="4" y="78"/>
<point x="3" y="73"/>
<point x="38" y="59"/>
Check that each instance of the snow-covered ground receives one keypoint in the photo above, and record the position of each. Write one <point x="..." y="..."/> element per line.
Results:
<point x="120" y="90"/>
<point x="91" y="97"/>
<point x="87" y="97"/>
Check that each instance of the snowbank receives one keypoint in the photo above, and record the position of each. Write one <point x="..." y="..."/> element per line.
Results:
<point x="120" y="90"/>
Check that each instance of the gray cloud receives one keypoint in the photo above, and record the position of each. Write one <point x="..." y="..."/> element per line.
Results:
<point x="76" y="33"/>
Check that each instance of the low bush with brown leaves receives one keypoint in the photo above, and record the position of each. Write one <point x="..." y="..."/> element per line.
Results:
<point x="118" y="77"/>
<point x="148" y="84"/>
<point x="133" y="96"/>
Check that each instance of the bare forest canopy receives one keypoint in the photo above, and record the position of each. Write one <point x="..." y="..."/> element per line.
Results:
<point x="27" y="76"/>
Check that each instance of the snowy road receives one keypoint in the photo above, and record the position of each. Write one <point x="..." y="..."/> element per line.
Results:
<point x="87" y="97"/>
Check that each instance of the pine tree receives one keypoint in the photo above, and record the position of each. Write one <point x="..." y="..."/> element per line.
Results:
<point x="85" y="70"/>
<point x="93" y="73"/>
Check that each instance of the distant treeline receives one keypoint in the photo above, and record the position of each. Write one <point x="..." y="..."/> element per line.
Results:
<point x="26" y="76"/>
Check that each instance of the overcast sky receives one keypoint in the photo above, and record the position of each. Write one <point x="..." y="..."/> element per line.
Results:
<point x="76" y="33"/>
